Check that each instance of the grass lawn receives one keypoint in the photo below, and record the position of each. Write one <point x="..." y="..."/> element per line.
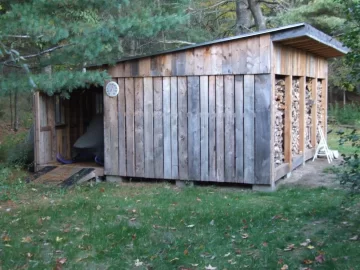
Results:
<point x="156" y="226"/>
<point x="333" y="140"/>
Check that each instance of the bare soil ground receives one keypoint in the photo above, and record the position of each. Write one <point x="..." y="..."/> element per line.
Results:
<point x="312" y="175"/>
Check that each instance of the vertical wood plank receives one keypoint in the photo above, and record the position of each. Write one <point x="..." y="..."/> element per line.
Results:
<point x="239" y="128"/>
<point x="302" y="85"/>
<point x="249" y="126"/>
<point x="220" y="147"/>
<point x="145" y="67"/>
<point x="122" y="127"/>
<point x="130" y="143"/>
<point x="158" y="128"/>
<point x="183" y="130"/>
<point x="166" y="64"/>
<point x="37" y="130"/>
<point x="149" y="127"/>
<point x="229" y="85"/>
<point x="139" y="128"/>
<point x="174" y="129"/>
<point x="204" y="122"/>
<point x="263" y="100"/>
<point x="288" y="121"/>
<point x="239" y="54"/>
<point x="253" y="55"/>
<point x="51" y="118"/>
<point x="111" y="135"/>
<point x="265" y="65"/>
<point x="189" y="62"/>
<point x="199" y="61"/>
<point x="194" y="127"/>
<point x="167" y="127"/>
<point x="216" y="59"/>
<point x="212" y="128"/>
<point x="227" y="58"/>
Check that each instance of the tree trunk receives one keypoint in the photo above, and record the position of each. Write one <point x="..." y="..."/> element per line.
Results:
<point x="16" y="113"/>
<point x="243" y="17"/>
<point x="255" y="8"/>
<point x="344" y="98"/>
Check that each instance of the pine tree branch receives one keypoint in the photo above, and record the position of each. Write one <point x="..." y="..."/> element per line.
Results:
<point x="213" y="6"/>
<point x="38" y="54"/>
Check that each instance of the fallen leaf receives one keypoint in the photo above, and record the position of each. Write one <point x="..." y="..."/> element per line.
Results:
<point x="310" y="247"/>
<point x="61" y="260"/>
<point x="6" y="238"/>
<point x="26" y="239"/>
<point x="227" y="254"/>
<point x="265" y="244"/>
<point x="138" y="263"/>
<point x="285" y="267"/>
<point x="132" y="219"/>
<point x="190" y="226"/>
<point x="134" y="210"/>
<point x="289" y="247"/>
<point x="320" y="258"/>
<point x="212" y="223"/>
<point x="231" y="262"/>
<point x="102" y="189"/>
<point x="209" y="267"/>
<point x="98" y="207"/>
<point x="244" y="235"/>
<point x="198" y="199"/>
<point x="29" y="255"/>
<point x="194" y="264"/>
<point x="354" y="238"/>
<point x="307" y="261"/>
<point x="307" y="241"/>
<point x="175" y="259"/>
<point x="58" y="239"/>
<point x="238" y="251"/>
<point x="186" y="252"/>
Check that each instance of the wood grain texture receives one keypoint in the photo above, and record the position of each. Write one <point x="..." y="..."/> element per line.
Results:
<point x="249" y="127"/>
<point x="314" y="113"/>
<point x="265" y="54"/>
<point x="194" y="127"/>
<point x="174" y="129"/>
<point x="167" y="126"/>
<point x="220" y="132"/>
<point x="139" y="128"/>
<point x="212" y="128"/>
<point x="122" y="127"/>
<point x="158" y="128"/>
<point x="239" y="128"/>
<point x="302" y="86"/>
<point x="288" y="121"/>
<point x="204" y="122"/>
<point x="263" y="129"/>
<point x="130" y="135"/>
<point x="229" y="89"/>
<point x="149" y="127"/>
<point x="253" y="55"/>
<point x="183" y="128"/>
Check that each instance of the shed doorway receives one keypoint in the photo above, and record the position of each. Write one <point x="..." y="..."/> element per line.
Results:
<point x="69" y="131"/>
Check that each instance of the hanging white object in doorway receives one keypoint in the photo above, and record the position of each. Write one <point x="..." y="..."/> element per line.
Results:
<point x="112" y="89"/>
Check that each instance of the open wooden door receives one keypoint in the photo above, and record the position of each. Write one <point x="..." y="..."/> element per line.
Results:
<point x="45" y="133"/>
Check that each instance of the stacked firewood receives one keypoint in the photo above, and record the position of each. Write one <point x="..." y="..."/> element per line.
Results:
<point x="309" y="104"/>
<point x="295" y="116"/>
<point x="279" y="105"/>
<point x="320" y="107"/>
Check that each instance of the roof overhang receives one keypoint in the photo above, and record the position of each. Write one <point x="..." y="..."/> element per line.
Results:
<point x="310" y="39"/>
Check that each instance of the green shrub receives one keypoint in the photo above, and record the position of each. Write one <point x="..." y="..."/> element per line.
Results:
<point x="345" y="115"/>
<point x="16" y="150"/>
<point x="349" y="173"/>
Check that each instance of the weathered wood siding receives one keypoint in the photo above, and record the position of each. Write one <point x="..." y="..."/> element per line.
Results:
<point x="242" y="56"/>
<point x="203" y="128"/>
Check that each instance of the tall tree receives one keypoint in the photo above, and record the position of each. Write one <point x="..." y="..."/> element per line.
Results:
<point x="67" y="35"/>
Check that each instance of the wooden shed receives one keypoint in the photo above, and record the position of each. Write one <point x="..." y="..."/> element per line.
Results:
<point x="243" y="109"/>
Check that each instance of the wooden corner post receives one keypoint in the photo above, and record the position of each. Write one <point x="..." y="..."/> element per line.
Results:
<point x="302" y="116"/>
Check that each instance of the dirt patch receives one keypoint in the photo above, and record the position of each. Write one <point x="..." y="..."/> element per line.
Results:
<point x="312" y="175"/>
